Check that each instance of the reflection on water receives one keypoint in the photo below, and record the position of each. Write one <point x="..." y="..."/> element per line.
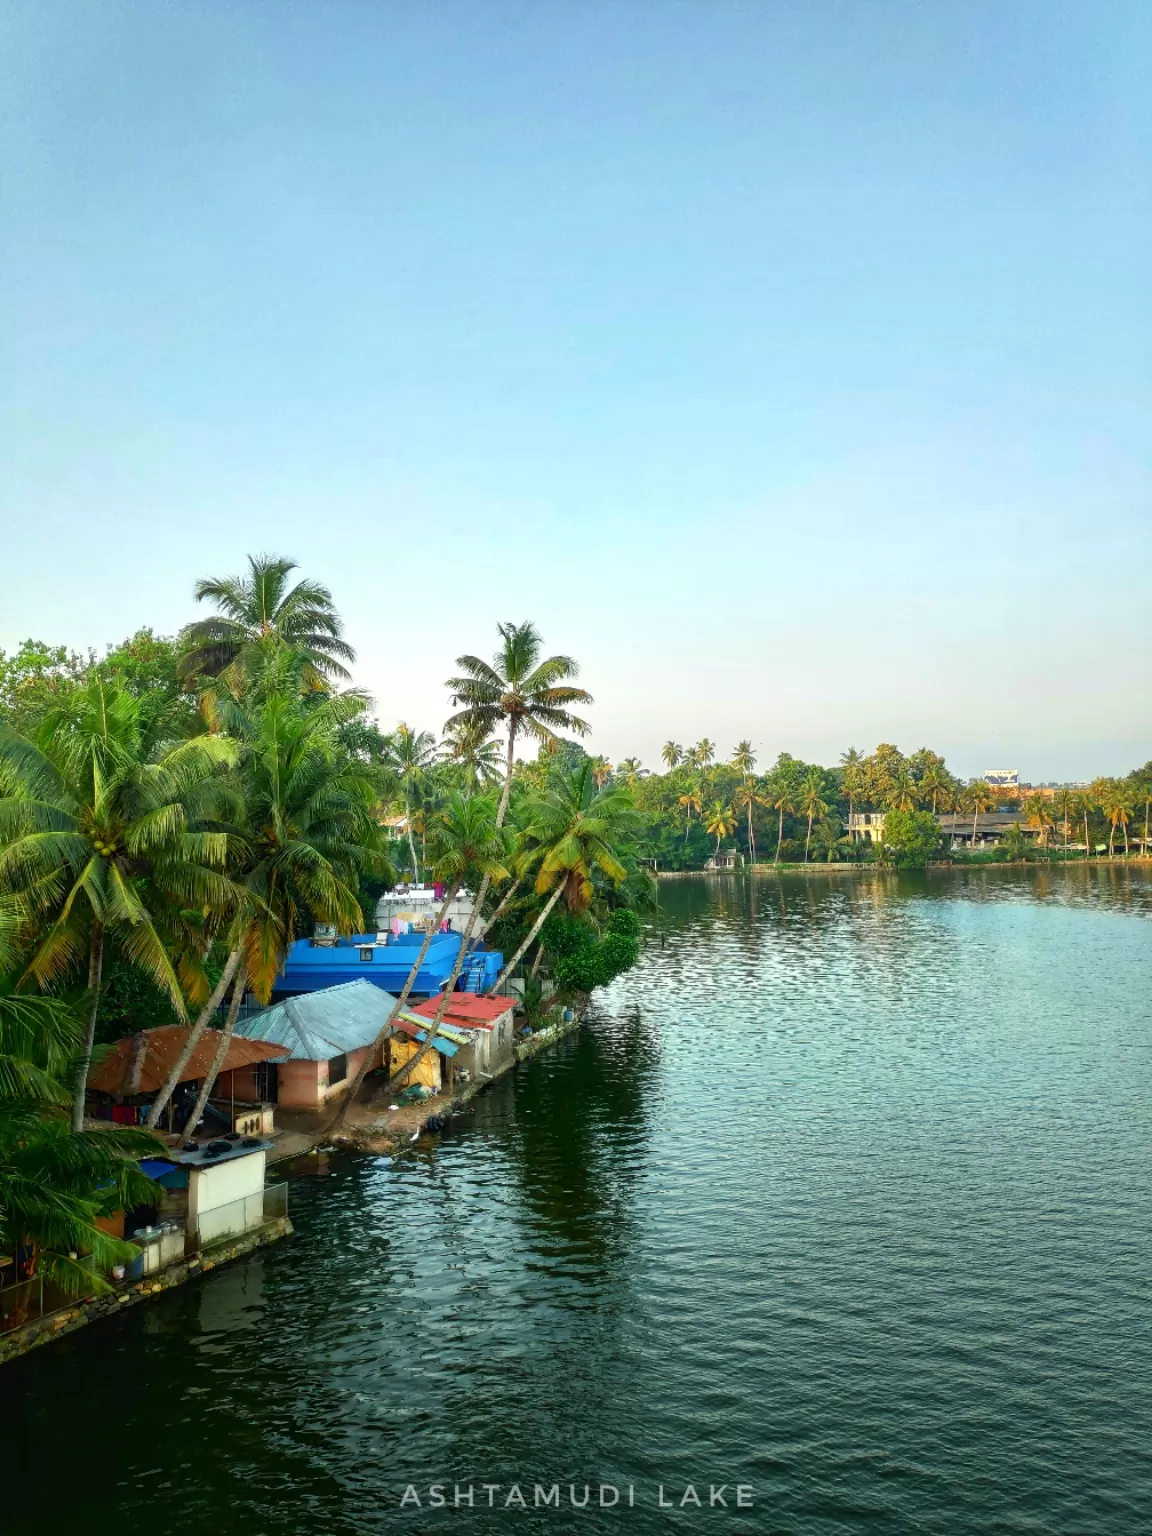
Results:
<point x="842" y="1193"/>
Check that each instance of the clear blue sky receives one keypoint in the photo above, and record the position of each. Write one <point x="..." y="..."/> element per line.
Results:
<point x="789" y="363"/>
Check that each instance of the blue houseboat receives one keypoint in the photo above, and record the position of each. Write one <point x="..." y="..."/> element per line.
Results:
<point x="385" y="960"/>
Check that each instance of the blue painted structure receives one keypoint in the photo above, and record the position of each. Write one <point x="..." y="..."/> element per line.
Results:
<point x="310" y="967"/>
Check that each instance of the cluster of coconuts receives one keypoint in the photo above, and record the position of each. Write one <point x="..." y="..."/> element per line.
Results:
<point x="104" y="848"/>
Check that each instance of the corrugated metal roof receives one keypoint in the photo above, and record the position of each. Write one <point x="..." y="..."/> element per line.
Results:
<point x="112" y="1074"/>
<point x="330" y="1022"/>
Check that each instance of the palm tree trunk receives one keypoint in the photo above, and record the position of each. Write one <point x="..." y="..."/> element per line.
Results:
<point x="193" y="1040"/>
<point x="1111" y="837"/>
<point x="411" y="839"/>
<point x="1087" y="851"/>
<point x="538" y="958"/>
<point x="506" y="792"/>
<point x="808" y="839"/>
<point x="751" y="840"/>
<point x="975" y="819"/>
<point x="779" y="836"/>
<point x="535" y="929"/>
<point x="95" y="972"/>
<point x="1146" y="829"/>
<point x="449" y="988"/>
<point x="401" y="1003"/>
<point x="238" y="986"/>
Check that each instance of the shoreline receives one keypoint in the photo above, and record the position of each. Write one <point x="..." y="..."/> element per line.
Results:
<point x="393" y="1132"/>
<point x="850" y="867"/>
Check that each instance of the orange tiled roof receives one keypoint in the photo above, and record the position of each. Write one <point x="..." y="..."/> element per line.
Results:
<point x="164" y="1045"/>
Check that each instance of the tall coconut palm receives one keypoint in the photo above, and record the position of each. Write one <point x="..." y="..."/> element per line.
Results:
<point x="98" y="834"/>
<point x="719" y="822"/>
<point x="704" y="752"/>
<point x="601" y="771"/>
<point x="1064" y="804"/>
<point x="1116" y="803"/>
<point x="782" y="794"/>
<point x="978" y="797"/>
<point x="744" y="759"/>
<point x="935" y="785"/>
<point x="630" y="770"/>
<point x="904" y="793"/>
<point x="747" y="796"/>
<point x="673" y="754"/>
<point x="1038" y="814"/>
<point x="411" y="755"/>
<point x="852" y="777"/>
<point x="259" y="607"/>
<point x="691" y="800"/>
<point x="519" y="692"/>
<point x="582" y="830"/>
<point x="304" y="830"/>
<point x="477" y="755"/>
<point x="811" y="802"/>
<point x="465" y="842"/>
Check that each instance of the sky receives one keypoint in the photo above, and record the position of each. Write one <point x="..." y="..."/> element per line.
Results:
<point x="789" y="364"/>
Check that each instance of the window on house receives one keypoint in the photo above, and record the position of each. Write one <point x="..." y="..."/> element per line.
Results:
<point x="337" y="1069"/>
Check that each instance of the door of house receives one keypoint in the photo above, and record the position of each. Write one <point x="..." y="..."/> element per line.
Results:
<point x="267" y="1082"/>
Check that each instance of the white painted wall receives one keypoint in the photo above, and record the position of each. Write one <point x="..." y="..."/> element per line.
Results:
<point x="226" y="1198"/>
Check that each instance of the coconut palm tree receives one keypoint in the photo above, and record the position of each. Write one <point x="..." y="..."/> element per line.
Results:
<point x="1140" y="782"/>
<point x="744" y="759"/>
<point x="98" y="836"/>
<point x="478" y="756"/>
<point x="851" y="778"/>
<point x="673" y="754"/>
<point x="1038" y="814"/>
<point x="782" y="799"/>
<point x="719" y="822"/>
<point x="1064" y="804"/>
<point x="691" y="801"/>
<point x="259" y="607"/>
<point x="704" y="752"/>
<point x="977" y="797"/>
<point x="827" y="838"/>
<point x="304" y="828"/>
<point x="519" y="691"/>
<point x="904" y="795"/>
<point x="411" y="755"/>
<point x="630" y="770"/>
<point x="812" y="802"/>
<point x="1116" y="803"/>
<point x="936" y="785"/>
<point x="601" y="771"/>
<point x="582" y="830"/>
<point x="747" y="796"/>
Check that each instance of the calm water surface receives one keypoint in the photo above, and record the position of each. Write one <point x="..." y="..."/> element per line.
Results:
<point x="844" y="1194"/>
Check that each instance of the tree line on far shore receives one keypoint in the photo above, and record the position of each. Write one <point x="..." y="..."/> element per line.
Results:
<point x="798" y="812"/>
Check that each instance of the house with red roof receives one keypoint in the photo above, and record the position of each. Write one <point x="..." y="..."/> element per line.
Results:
<point x="488" y="1024"/>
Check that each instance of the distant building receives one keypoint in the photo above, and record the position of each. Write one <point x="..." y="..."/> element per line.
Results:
<point x="727" y="858"/>
<point x="1002" y="778"/>
<point x="866" y="826"/>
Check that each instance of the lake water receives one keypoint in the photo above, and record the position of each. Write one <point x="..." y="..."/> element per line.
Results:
<point x="843" y="1195"/>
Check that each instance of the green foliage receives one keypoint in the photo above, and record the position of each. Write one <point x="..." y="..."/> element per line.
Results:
<point x="910" y="838"/>
<point x="56" y="1183"/>
<point x="583" y="958"/>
